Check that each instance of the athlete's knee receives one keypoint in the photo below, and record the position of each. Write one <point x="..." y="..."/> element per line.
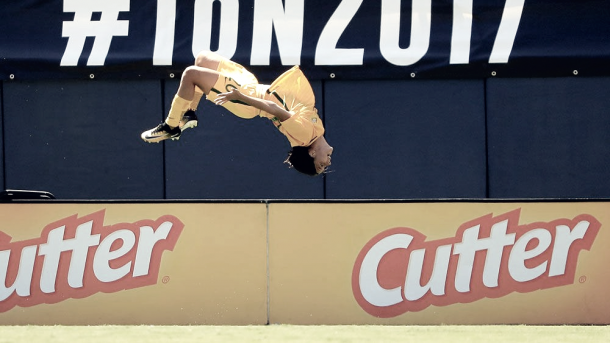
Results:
<point x="201" y="77"/>
<point x="208" y="59"/>
<point x="190" y="75"/>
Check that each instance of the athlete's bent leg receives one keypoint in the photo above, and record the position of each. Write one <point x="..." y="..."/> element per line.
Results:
<point x="196" y="80"/>
<point x="207" y="60"/>
<point x="193" y="77"/>
<point x="204" y="59"/>
<point x="196" y="77"/>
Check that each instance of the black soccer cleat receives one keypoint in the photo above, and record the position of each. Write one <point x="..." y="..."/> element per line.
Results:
<point x="160" y="133"/>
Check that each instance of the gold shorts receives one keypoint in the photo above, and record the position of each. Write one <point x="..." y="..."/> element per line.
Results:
<point x="234" y="75"/>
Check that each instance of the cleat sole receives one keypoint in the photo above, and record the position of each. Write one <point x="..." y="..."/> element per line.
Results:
<point x="190" y="125"/>
<point x="157" y="140"/>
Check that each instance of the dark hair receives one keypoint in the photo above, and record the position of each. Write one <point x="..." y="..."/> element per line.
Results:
<point x="299" y="159"/>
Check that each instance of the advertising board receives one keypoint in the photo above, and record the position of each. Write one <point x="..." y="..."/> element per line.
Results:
<point x="439" y="263"/>
<point x="90" y="264"/>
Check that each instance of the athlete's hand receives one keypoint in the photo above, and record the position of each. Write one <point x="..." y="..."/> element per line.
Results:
<point x="222" y="98"/>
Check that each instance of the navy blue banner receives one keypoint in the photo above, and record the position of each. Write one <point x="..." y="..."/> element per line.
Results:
<point x="342" y="39"/>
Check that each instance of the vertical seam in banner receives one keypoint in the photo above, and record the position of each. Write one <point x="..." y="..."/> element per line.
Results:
<point x="485" y="115"/>
<point x="163" y="159"/>
<point x="268" y="269"/>
<point x="322" y="83"/>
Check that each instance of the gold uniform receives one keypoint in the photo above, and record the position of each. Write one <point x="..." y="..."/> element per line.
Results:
<point x="291" y="90"/>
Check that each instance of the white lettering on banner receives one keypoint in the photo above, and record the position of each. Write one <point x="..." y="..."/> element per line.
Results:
<point x="462" y="32"/>
<point x="327" y="52"/>
<point x="166" y="27"/>
<point x="421" y="20"/>
<point x="229" y="23"/>
<point x="84" y="26"/>
<point x="77" y="257"/>
<point x="285" y="19"/>
<point x="288" y="23"/>
<point x="507" y="31"/>
<point x="488" y="257"/>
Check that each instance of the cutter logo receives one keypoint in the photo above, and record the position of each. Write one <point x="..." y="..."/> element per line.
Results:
<point x="77" y="257"/>
<point x="398" y="271"/>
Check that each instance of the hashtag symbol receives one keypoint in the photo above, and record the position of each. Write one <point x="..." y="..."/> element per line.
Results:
<point x="83" y="26"/>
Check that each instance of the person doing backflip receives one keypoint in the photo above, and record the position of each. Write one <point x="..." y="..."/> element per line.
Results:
<point x="288" y="102"/>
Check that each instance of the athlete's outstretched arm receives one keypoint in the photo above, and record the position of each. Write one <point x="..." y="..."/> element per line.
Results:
<point x="263" y="105"/>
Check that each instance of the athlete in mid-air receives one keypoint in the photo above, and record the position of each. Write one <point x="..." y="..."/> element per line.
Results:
<point x="288" y="102"/>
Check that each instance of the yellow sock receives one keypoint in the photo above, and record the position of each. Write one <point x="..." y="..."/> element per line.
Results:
<point x="179" y="106"/>
<point x="196" y="99"/>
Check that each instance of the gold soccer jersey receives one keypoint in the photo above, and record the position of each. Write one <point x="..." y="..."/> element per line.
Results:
<point x="291" y="90"/>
